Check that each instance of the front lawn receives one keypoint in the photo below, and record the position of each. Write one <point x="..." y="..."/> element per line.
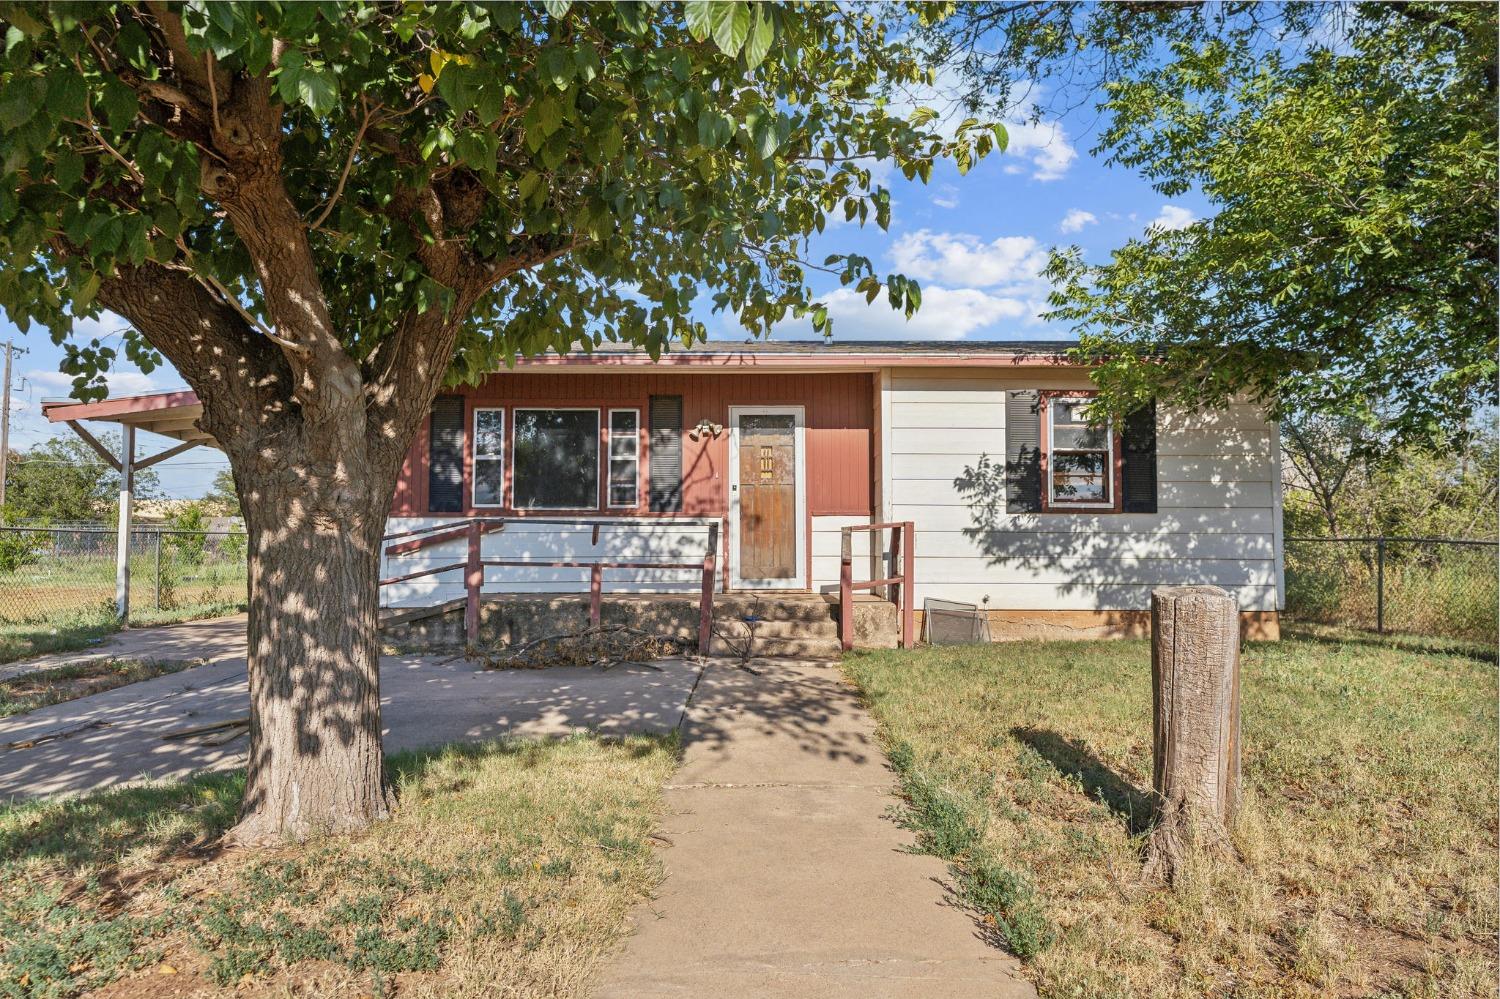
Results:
<point x="1367" y="835"/>
<point x="509" y="868"/>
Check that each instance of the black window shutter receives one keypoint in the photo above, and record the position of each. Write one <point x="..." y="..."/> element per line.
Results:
<point x="1138" y="474"/>
<point x="445" y="456"/>
<point x="1023" y="453"/>
<point x="666" y="453"/>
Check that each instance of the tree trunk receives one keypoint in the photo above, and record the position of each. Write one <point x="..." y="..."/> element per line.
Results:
<point x="316" y="763"/>
<point x="1195" y="673"/>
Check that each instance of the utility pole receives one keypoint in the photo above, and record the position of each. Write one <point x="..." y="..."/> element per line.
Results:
<point x="5" y="428"/>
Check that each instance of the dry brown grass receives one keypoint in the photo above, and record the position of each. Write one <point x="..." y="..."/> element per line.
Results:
<point x="508" y="871"/>
<point x="65" y="683"/>
<point x="1367" y="838"/>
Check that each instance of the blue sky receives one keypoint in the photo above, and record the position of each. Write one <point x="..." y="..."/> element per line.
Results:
<point x="976" y="244"/>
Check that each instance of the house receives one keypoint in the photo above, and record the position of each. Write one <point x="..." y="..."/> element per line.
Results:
<point x="1017" y="504"/>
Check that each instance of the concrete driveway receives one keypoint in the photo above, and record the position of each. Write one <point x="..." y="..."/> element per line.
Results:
<point x="115" y="737"/>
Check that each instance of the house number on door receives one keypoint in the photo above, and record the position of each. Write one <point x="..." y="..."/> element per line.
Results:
<point x="766" y="462"/>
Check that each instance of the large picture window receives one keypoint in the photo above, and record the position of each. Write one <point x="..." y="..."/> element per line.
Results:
<point x="489" y="457"/>
<point x="1080" y="457"/>
<point x="555" y="459"/>
<point x="624" y="457"/>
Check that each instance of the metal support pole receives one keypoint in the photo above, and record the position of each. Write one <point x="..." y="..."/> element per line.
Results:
<point x="156" y="551"/>
<point x="706" y="598"/>
<point x="473" y="582"/>
<point x="596" y="595"/>
<point x="908" y="585"/>
<point x="846" y="591"/>
<point x="122" y="545"/>
<point x="1380" y="585"/>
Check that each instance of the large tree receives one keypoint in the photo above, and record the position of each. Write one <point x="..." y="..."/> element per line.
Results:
<point x="319" y="212"/>
<point x="1347" y="264"/>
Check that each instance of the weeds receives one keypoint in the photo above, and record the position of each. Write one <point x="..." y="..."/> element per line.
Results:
<point x="1367" y="829"/>
<point x="510" y="862"/>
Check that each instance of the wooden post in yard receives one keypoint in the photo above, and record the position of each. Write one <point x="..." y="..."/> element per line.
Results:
<point x="473" y="583"/>
<point x="1195" y="676"/>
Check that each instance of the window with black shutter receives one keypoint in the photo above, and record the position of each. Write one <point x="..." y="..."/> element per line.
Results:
<point x="445" y="455"/>
<point x="1138" y="464"/>
<point x="1023" y="452"/>
<point x="665" y="453"/>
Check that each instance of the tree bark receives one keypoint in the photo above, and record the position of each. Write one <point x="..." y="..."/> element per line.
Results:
<point x="1195" y="667"/>
<point x="316" y="763"/>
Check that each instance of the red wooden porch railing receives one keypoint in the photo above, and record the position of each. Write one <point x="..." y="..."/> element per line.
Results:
<point x="900" y="583"/>
<point x="474" y="529"/>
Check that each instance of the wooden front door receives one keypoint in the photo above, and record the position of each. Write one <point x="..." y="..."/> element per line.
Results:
<point x="767" y="508"/>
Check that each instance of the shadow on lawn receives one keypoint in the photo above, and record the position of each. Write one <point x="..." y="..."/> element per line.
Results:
<point x="1072" y="758"/>
<point x="1325" y="635"/>
<point x="189" y="816"/>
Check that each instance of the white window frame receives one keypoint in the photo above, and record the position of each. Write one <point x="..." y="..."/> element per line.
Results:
<point x="609" y="459"/>
<point x="474" y="457"/>
<point x="598" y="436"/>
<point x="1108" y="503"/>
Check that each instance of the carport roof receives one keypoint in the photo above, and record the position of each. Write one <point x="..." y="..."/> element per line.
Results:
<point x="171" y="414"/>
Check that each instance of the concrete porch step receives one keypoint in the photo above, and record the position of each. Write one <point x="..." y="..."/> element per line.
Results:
<point x="787" y="648"/>
<point x="772" y="628"/>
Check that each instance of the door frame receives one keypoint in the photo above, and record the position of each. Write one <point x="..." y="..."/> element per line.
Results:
<point x="799" y="448"/>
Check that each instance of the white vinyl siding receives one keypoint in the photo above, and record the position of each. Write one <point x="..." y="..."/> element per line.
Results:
<point x="1217" y="519"/>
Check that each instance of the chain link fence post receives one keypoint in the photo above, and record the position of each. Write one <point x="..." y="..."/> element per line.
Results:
<point x="156" y="553"/>
<point x="1380" y="585"/>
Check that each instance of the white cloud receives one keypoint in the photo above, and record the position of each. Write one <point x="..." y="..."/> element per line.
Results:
<point x="1042" y="147"/>
<point x="1044" y="144"/>
<point x="1172" y="217"/>
<point x="1076" y="219"/>
<point x="946" y="196"/>
<point x="964" y="259"/>
<point x="103" y="325"/>
<point x="946" y="314"/>
<point x="55" y="384"/>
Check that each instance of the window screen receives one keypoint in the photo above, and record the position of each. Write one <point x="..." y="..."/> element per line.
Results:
<point x="624" y="457"/>
<point x="489" y="457"/>
<point x="1079" y="458"/>
<point x="556" y="460"/>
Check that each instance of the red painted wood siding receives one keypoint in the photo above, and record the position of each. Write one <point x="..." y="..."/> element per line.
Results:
<point x="839" y="419"/>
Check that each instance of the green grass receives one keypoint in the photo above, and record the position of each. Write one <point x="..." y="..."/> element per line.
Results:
<point x="65" y="683"/>
<point x="1367" y="836"/>
<point x="78" y="630"/>
<point x="511" y="862"/>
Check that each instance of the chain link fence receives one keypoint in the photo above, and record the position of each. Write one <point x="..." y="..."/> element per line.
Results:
<point x="59" y="575"/>
<point x="1440" y="587"/>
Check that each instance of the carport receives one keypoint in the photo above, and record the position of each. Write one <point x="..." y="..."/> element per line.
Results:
<point x="171" y="414"/>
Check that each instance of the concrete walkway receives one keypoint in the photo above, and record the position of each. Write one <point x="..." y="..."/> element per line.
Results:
<point x="115" y="738"/>
<point x="786" y="877"/>
<point x="211" y="640"/>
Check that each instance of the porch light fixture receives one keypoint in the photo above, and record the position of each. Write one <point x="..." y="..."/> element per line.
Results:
<point x="706" y="428"/>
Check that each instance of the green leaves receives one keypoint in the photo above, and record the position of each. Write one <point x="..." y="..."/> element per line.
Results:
<point x="311" y="84"/>
<point x="615" y="161"/>
<point x="728" y="23"/>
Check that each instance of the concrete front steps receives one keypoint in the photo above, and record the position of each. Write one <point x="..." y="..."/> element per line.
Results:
<point x="793" y="625"/>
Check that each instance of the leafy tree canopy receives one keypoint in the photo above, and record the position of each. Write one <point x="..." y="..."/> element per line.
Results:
<point x="616" y="156"/>
<point x="1348" y="267"/>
